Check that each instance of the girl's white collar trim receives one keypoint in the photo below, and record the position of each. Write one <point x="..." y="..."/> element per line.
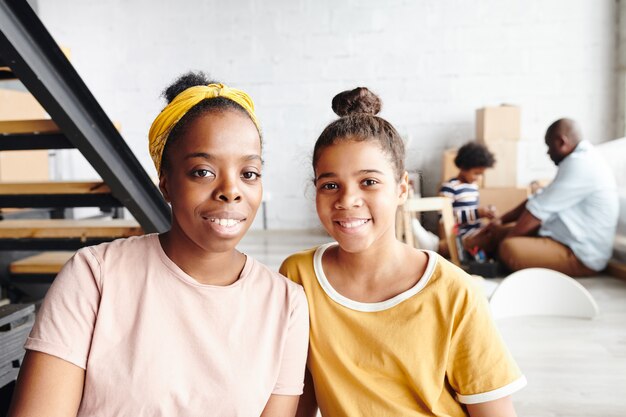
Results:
<point x="369" y="307"/>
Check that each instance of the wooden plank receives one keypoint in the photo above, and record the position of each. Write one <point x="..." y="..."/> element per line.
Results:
<point x="54" y="187"/>
<point x="42" y="263"/>
<point x="28" y="126"/>
<point x="63" y="228"/>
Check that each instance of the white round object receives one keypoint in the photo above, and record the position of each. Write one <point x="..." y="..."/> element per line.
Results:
<point x="542" y="292"/>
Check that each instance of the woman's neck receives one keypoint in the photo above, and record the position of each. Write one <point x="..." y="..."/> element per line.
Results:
<point x="212" y="268"/>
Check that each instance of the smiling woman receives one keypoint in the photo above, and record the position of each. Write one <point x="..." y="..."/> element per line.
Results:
<point x="182" y="323"/>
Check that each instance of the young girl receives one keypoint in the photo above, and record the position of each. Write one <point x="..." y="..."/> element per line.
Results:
<point x="395" y="331"/>
<point x="178" y="324"/>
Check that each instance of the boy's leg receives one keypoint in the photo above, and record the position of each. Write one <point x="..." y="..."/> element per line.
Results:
<point x="541" y="252"/>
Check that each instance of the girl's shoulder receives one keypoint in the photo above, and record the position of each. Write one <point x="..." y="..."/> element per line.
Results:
<point x="298" y="262"/>
<point x="450" y="281"/>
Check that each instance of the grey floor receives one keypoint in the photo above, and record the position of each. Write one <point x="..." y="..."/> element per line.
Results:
<point x="574" y="367"/>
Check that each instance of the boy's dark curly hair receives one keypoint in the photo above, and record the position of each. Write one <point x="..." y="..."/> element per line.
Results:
<point x="474" y="155"/>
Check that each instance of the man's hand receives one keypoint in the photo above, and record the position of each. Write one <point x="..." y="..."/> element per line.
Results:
<point x="488" y="212"/>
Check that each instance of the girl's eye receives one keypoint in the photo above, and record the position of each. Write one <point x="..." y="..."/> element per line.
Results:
<point x="251" y="175"/>
<point x="369" y="182"/>
<point x="329" y="186"/>
<point x="202" y="173"/>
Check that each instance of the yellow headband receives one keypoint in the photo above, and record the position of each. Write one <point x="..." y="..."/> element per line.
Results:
<point x="173" y="112"/>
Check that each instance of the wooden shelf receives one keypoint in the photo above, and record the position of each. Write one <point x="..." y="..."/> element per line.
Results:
<point x="73" y="229"/>
<point x="28" y="126"/>
<point x="53" y="187"/>
<point x="47" y="263"/>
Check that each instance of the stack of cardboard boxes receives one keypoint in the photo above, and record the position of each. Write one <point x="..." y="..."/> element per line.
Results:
<point x="498" y="128"/>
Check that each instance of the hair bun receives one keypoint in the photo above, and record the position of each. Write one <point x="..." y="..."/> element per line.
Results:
<point x="359" y="100"/>
<point x="185" y="81"/>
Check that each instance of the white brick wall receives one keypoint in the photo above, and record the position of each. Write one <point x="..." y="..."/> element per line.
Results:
<point x="433" y="62"/>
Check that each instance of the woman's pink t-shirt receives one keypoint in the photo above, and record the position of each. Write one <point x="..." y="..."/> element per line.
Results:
<point x="155" y="342"/>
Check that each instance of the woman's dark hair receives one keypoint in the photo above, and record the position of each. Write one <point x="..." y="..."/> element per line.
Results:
<point x="217" y="104"/>
<point x="474" y="155"/>
<point x="358" y="122"/>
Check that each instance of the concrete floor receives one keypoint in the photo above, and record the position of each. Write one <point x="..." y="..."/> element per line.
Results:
<point x="574" y="367"/>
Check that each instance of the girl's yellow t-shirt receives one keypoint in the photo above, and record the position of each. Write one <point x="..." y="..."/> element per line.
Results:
<point x="424" y="352"/>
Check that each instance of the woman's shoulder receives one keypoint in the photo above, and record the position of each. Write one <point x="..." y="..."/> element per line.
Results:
<point x="135" y="247"/>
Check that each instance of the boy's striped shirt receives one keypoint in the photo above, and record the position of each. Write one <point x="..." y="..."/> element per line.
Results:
<point x="464" y="203"/>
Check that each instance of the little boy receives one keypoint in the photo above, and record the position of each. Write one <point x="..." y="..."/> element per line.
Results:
<point x="472" y="159"/>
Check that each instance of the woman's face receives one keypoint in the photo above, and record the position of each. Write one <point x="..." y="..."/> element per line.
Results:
<point x="213" y="180"/>
<point x="357" y="194"/>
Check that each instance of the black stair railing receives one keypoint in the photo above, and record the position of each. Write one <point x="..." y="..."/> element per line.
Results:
<point x="33" y="55"/>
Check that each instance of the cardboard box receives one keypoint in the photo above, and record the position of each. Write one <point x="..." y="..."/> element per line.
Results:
<point x="504" y="173"/>
<point x="498" y="123"/>
<point x="22" y="166"/>
<point x="504" y="198"/>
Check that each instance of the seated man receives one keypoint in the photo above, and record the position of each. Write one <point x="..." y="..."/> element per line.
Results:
<point x="570" y="226"/>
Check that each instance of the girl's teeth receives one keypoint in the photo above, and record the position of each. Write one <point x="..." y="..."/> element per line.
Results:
<point x="350" y="225"/>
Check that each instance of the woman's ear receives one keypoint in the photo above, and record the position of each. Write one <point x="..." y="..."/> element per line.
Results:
<point x="163" y="187"/>
<point x="403" y="188"/>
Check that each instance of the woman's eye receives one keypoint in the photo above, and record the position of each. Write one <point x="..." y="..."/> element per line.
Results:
<point x="329" y="186"/>
<point x="369" y="182"/>
<point x="251" y="175"/>
<point x="202" y="173"/>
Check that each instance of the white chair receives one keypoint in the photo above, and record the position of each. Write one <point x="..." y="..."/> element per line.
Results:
<point x="415" y="205"/>
<point x="542" y="292"/>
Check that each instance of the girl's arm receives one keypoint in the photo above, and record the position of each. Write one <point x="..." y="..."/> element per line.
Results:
<point x="47" y="386"/>
<point x="308" y="403"/>
<point x="280" y="406"/>
<point x="502" y="407"/>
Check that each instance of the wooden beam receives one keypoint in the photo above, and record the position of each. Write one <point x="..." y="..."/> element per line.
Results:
<point x="28" y="126"/>
<point x="42" y="263"/>
<point x="54" y="187"/>
<point x="62" y="228"/>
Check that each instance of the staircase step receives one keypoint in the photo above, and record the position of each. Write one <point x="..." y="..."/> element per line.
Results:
<point x="57" y="194"/>
<point x="7" y="74"/>
<point x="45" y="263"/>
<point x="32" y="141"/>
<point x="28" y="126"/>
<point x="54" y="187"/>
<point x="68" y="228"/>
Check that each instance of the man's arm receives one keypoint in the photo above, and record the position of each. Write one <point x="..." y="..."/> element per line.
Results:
<point x="513" y="214"/>
<point x="502" y="407"/>
<point x="526" y="225"/>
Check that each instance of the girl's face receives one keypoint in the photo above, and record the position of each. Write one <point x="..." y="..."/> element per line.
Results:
<point x="213" y="181"/>
<point x="357" y="194"/>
